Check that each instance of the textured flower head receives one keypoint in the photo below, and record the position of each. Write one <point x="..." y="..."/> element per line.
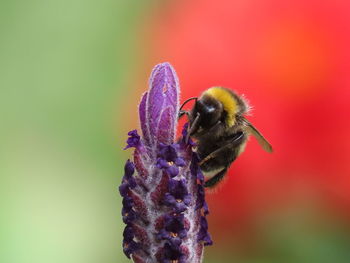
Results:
<point x="169" y="160"/>
<point x="164" y="206"/>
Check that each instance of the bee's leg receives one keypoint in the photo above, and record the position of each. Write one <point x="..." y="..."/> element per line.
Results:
<point x="182" y="113"/>
<point x="215" y="129"/>
<point x="216" y="178"/>
<point x="232" y="143"/>
<point x="192" y="127"/>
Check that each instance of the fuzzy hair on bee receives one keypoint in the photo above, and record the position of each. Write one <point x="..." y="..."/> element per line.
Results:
<point x="217" y="122"/>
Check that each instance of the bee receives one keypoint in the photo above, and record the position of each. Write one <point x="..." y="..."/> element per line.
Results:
<point x="221" y="131"/>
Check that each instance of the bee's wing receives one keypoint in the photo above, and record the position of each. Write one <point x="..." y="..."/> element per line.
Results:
<point x="261" y="139"/>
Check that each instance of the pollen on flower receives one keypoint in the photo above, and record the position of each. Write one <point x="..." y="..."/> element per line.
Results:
<point x="164" y="206"/>
<point x="173" y="234"/>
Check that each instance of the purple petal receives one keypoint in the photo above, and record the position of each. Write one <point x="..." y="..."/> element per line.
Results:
<point x="173" y="87"/>
<point x="203" y="234"/>
<point x="187" y="199"/>
<point x="127" y="203"/>
<point x="173" y="171"/>
<point x="162" y="164"/>
<point x="155" y="101"/>
<point x="143" y="122"/>
<point x="166" y="133"/>
<point x="132" y="182"/>
<point x="128" y="216"/>
<point x="180" y="207"/>
<point x="168" y="152"/>
<point x="163" y="234"/>
<point x="169" y="199"/>
<point x="124" y="188"/>
<point x="171" y="252"/>
<point x="133" y="140"/>
<point x="207" y="240"/>
<point x="163" y="93"/>
<point x="200" y="197"/>
<point x="178" y="188"/>
<point x="205" y="208"/>
<point x="172" y="185"/>
<point x="182" y="233"/>
<point x="154" y="71"/>
<point x="180" y="162"/>
<point x="130" y="247"/>
<point x="129" y="169"/>
<point x="195" y="170"/>
<point x="128" y="233"/>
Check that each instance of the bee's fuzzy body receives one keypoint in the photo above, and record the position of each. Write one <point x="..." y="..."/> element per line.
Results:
<point x="218" y="124"/>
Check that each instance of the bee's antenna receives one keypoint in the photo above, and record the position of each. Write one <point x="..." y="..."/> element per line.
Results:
<point x="183" y="104"/>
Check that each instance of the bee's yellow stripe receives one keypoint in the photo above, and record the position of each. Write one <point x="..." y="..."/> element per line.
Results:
<point x="227" y="100"/>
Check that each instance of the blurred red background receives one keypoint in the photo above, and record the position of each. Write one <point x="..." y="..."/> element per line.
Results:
<point x="291" y="60"/>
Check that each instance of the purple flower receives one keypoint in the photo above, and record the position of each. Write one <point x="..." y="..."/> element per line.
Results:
<point x="177" y="196"/>
<point x="168" y="159"/>
<point x="133" y="140"/>
<point x="164" y="206"/>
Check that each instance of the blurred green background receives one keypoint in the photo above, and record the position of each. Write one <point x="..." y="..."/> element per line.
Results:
<point x="64" y="68"/>
<point x="71" y="75"/>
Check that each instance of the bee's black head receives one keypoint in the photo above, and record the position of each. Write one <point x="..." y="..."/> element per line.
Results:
<point x="210" y="111"/>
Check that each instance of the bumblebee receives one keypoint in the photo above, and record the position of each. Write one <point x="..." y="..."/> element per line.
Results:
<point x="221" y="131"/>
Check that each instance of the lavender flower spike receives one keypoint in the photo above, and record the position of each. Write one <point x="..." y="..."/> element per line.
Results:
<point x="164" y="208"/>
